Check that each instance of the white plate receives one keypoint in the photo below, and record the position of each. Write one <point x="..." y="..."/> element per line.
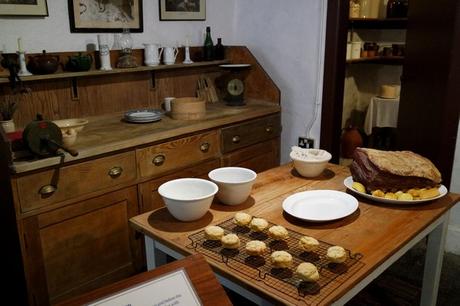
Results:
<point x="234" y="65"/>
<point x="349" y="181"/>
<point x="320" y="205"/>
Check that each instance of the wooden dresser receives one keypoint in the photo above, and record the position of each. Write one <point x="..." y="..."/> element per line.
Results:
<point x="71" y="216"/>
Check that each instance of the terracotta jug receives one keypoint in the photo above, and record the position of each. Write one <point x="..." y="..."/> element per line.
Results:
<point x="351" y="139"/>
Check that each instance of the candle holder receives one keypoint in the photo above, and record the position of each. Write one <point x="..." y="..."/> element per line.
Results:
<point x="22" y="64"/>
<point x="187" y="59"/>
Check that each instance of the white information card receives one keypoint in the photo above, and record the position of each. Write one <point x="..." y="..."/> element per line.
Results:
<point x="173" y="289"/>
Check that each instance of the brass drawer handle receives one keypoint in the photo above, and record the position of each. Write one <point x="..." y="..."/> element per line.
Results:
<point x="236" y="139"/>
<point x="115" y="172"/>
<point x="268" y="129"/>
<point x="47" y="190"/>
<point x="204" y="147"/>
<point x="159" y="160"/>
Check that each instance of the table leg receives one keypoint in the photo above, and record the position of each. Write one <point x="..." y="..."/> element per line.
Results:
<point x="154" y="257"/>
<point x="433" y="264"/>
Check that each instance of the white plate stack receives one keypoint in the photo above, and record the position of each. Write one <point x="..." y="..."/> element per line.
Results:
<point x="143" y="115"/>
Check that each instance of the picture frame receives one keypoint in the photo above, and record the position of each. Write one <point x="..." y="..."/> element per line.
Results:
<point x="37" y="8"/>
<point x="108" y="16"/>
<point x="175" y="10"/>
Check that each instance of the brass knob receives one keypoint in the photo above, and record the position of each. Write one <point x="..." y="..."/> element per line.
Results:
<point x="204" y="147"/>
<point x="236" y="139"/>
<point x="115" y="172"/>
<point x="159" y="160"/>
<point x="268" y="129"/>
<point x="47" y="190"/>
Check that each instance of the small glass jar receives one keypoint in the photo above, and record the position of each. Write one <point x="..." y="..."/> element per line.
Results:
<point x="355" y="8"/>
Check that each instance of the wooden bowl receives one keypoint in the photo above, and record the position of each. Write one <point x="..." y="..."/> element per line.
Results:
<point x="188" y="108"/>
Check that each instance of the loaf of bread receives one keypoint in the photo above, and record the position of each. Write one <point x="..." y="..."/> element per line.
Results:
<point x="393" y="170"/>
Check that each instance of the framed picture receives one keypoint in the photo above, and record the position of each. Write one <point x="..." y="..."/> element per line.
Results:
<point x="182" y="9"/>
<point x="24" y="7"/>
<point x="98" y="16"/>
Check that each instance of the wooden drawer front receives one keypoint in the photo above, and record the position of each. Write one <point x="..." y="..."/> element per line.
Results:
<point x="249" y="133"/>
<point x="178" y="153"/>
<point x="36" y="190"/>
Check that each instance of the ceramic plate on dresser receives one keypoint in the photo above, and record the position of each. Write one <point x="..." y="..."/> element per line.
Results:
<point x="143" y="115"/>
<point x="320" y="205"/>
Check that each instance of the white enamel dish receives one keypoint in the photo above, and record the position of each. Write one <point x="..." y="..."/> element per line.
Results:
<point x="348" y="182"/>
<point x="234" y="65"/>
<point x="143" y="115"/>
<point x="320" y="205"/>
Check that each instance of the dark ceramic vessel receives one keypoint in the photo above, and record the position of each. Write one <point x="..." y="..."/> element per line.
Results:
<point x="43" y="64"/>
<point x="79" y="62"/>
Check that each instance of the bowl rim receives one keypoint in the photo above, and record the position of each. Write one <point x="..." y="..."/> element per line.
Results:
<point x="254" y="174"/>
<point x="77" y="122"/>
<point x="164" y="185"/>
<point x="319" y="161"/>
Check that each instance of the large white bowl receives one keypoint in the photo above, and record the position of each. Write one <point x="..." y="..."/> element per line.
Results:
<point x="235" y="184"/>
<point x="310" y="162"/>
<point x="188" y="199"/>
<point x="70" y="129"/>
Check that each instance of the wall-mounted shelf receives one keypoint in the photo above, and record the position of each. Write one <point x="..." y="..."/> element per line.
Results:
<point x="63" y="75"/>
<point x="367" y="23"/>
<point x="386" y="60"/>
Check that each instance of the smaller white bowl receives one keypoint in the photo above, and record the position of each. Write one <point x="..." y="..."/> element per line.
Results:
<point x="235" y="184"/>
<point x="309" y="162"/>
<point x="188" y="199"/>
<point x="76" y="124"/>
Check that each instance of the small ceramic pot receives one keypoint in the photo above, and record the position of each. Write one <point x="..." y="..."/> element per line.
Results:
<point x="8" y="126"/>
<point x="43" y="64"/>
<point x="79" y="62"/>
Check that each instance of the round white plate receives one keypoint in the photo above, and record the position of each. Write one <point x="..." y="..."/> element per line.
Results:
<point x="349" y="181"/>
<point x="234" y="65"/>
<point x="320" y="205"/>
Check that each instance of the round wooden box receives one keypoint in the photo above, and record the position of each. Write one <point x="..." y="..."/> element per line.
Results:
<point x="188" y="108"/>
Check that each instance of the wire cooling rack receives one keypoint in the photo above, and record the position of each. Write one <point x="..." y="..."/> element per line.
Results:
<point x="282" y="279"/>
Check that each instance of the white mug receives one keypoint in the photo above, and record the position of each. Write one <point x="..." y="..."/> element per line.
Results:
<point x="167" y="103"/>
<point x="152" y="54"/>
<point x="169" y="55"/>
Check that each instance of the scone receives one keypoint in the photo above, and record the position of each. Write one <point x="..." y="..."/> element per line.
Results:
<point x="308" y="244"/>
<point x="307" y="272"/>
<point x="258" y="224"/>
<point x="255" y="248"/>
<point x="242" y="219"/>
<point x="281" y="259"/>
<point x="230" y="241"/>
<point x="213" y="232"/>
<point x="278" y="232"/>
<point x="336" y="254"/>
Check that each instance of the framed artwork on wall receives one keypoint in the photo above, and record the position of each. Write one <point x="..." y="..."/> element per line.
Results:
<point x="182" y="10"/>
<point x="23" y="8"/>
<point x="97" y="16"/>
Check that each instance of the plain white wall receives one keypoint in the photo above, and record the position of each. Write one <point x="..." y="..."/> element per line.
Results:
<point x="53" y="33"/>
<point x="288" y="40"/>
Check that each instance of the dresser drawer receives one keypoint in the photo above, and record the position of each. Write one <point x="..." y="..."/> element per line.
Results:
<point x="175" y="154"/>
<point x="51" y="186"/>
<point x="254" y="131"/>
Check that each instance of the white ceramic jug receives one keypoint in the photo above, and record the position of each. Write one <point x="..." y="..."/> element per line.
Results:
<point x="152" y="54"/>
<point x="169" y="55"/>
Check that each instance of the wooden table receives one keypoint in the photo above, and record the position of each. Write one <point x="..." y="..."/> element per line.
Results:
<point x="381" y="233"/>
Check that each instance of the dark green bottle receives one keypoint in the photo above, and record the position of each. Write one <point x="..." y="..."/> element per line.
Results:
<point x="219" y="50"/>
<point x="208" y="49"/>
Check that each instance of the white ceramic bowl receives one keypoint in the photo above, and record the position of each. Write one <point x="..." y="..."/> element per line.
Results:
<point x="70" y="129"/>
<point x="310" y="162"/>
<point x="235" y="184"/>
<point x="188" y="199"/>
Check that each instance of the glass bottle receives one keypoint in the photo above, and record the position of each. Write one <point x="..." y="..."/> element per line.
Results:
<point x="208" y="48"/>
<point x="219" y="50"/>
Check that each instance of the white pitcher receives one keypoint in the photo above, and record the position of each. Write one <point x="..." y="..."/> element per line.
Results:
<point x="169" y="55"/>
<point x="152" y="54"/>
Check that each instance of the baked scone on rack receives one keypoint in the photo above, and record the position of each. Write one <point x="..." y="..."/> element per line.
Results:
<point x="308" y="244"/>
<point x="213" y="232"/>
<point x="336" y="254"/>
<point x="256" y="248"/>
<point x="230" y="241"/>
<point x="281" y="259"/>
<point x="242" y="219"/>
<point x="258" y="224"/>
<point x="278" y="232"/>
<point x="307" y="272"/>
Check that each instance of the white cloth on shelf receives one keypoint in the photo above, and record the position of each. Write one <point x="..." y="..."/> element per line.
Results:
<point x="381" y="113"/>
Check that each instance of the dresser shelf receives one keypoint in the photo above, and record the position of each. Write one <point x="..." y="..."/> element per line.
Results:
<point x="385" y="60"/>
<point x="374" y="23"/>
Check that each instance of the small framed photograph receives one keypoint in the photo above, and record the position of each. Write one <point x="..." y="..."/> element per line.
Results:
<point x="96" y="16"/>
<point x="182" y="10"/>
<point x="23" y="8"/>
